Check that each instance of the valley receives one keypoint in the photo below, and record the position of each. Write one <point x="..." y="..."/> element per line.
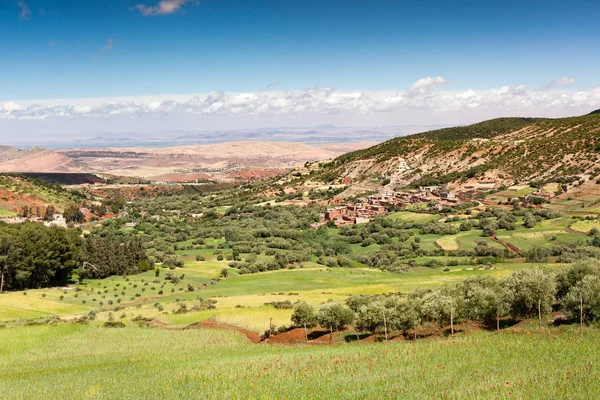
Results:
<point x="319" y="262"/>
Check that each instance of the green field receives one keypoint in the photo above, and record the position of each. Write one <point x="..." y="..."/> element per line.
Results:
<point x="315" y="284"/>
<point x="83" y="362"/>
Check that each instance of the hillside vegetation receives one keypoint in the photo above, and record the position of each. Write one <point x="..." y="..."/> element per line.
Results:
<point x="517" y="150"/>
<point x="19" y="191"/>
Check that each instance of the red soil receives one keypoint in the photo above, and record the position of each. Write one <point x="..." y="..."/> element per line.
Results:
<point x="210" y="323"/>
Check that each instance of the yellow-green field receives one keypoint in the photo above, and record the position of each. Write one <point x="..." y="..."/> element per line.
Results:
<point x="316" y="285"/>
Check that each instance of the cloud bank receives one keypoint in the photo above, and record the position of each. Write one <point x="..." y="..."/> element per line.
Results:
<point x="424" y="96"/>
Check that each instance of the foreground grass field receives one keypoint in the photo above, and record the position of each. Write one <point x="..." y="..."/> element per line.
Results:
<point x="87" y="362"/>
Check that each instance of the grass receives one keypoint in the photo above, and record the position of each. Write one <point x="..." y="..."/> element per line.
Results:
<point x="448" y="243"/>
<point x="585" y="226"/>
<point x="7" y="213"/>
<point x="412" y="216"/>
<point x="16" y="305"/>
<point x="82" y="362"/>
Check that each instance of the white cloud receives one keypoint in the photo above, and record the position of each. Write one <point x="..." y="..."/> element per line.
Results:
<point x="420" y="98"/>
<point x="427" y="84"/>
<point x="164" y="7"/>
<point x="25" y="11"/>
<point x="562" y="81"/>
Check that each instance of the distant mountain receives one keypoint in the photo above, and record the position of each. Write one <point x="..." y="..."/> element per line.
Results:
<point x="504" y="151"/>
<point x="595" y="112"/>
<point x="219" y="161"/>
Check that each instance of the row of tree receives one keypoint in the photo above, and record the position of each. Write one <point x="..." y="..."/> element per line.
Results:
<point x="528" y="293"/>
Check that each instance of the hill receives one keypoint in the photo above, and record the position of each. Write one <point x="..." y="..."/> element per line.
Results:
<point x="595" y="112"/>
<point x="221" y="161"/>
<point x="19" y="191"/>
<point x="35" y="159"/>
<point x="505" y="151"/>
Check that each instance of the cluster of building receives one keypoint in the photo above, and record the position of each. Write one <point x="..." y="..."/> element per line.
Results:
<point x="57" y="220"/>
<point x="366" y="209"/>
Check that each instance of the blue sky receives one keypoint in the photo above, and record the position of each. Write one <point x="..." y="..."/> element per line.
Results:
<point x="119" y="48"/>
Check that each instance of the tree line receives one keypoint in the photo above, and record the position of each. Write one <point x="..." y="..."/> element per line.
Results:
<point x="527" y="293"/>
<point x="34" y="256"/>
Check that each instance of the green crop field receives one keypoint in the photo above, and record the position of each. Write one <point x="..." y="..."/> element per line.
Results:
<point x="412" y="216"/>
<point x="83" y="362"/>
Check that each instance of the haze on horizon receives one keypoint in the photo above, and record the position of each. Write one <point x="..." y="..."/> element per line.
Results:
<point x="142" y="67"/>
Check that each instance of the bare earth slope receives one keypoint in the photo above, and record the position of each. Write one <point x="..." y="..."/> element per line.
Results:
<point x="35" y="160"/>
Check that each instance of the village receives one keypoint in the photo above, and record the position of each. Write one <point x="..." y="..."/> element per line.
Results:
<point x="366" y="209"/>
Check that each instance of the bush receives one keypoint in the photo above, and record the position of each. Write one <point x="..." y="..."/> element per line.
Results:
<point x="281" y="305"/>
<point x="113" y="324"/>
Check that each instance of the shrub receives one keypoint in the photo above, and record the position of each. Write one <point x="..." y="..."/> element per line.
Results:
<point x="281" y="305"/>
<point x="113" y="324"/>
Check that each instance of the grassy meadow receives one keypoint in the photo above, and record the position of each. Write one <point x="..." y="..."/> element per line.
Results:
<point x="84" y="362"/>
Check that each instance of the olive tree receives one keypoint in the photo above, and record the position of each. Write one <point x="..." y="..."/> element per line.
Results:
<point x="584" y="299"/>
<point x="528" y="292"/>
<point x="570" y="277"/>
<point x="371" y="317"/>
<point x="355" y="302"/>
<point x="334" y="316"/>
<point x="404" y="313"/>
<point x="484" y="301"/>
<point x="304" y="315"/>
<point x="436" y="307"/>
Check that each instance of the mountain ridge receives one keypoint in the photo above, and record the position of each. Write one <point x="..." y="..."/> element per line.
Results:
<point x="505" y="150"/>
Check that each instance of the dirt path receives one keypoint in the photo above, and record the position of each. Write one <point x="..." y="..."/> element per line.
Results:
<point x="511" y="248"/>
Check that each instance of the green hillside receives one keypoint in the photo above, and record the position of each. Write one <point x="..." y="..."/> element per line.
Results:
<point x="521" y="149"/>
<point x="18" y="191"/>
